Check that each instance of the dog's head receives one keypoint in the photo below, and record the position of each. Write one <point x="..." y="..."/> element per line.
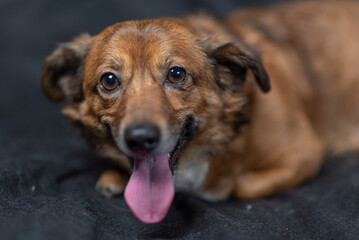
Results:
<point x="153" y="90"/>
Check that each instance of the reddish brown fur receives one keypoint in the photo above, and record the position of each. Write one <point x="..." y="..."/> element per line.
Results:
<point x="311" y="58"/>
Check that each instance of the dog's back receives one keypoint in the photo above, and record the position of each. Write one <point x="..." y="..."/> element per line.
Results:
<point x="312" y="48"/>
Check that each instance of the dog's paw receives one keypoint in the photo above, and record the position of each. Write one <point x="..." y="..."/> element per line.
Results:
<point x="111" y="183"/>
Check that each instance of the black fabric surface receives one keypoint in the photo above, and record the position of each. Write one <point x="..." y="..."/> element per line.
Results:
<point x="48" y="172"/>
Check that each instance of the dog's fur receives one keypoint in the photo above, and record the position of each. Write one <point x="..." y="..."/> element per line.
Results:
<point x="247" y="144"/>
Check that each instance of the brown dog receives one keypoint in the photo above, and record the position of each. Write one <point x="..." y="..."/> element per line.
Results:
<point x="176" y="97"/>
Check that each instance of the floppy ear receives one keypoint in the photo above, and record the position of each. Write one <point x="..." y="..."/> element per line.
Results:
<point x="61" y="76"/>
<point x="238" y="61"/>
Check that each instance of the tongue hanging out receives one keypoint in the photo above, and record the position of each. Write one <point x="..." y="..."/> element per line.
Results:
<point x="150" y="191"/>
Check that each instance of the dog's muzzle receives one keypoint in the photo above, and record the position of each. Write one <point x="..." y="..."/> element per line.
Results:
<point x="150" y="190"/>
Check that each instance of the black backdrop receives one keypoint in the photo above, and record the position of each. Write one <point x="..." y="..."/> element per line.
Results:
<point x="48" y="172"/>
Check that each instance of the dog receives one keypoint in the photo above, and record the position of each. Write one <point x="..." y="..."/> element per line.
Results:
<point x="242" y="107"/>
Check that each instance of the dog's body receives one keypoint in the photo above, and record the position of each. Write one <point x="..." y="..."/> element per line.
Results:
<point x="232" y="139"/>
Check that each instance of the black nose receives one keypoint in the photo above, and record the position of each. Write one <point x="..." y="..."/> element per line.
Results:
<point x="142" y="138"/>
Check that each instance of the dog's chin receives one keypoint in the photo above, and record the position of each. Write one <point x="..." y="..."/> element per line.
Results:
<point x="150" y="190"/>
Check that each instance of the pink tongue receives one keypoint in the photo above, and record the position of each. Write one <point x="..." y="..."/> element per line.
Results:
<point x="150" y="191"/>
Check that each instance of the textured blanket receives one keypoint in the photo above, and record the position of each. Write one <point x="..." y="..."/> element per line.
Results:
<point x="48" y="172"/>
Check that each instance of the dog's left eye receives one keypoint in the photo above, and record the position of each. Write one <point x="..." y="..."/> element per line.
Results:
<point x="109" y="82"/>
<point x="176" y="75"/>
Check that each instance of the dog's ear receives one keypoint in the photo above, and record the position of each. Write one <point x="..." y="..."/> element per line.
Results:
<point x="61" y="76"/>
<point x="238" y="61"/>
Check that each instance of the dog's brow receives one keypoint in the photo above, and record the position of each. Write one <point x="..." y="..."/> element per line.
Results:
<point x="108" y="66"/>
<point x="112" y="62"/>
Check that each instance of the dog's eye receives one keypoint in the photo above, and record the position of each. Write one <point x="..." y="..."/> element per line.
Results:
<point x="109" y="82"/>
<point x="176" y="75"/>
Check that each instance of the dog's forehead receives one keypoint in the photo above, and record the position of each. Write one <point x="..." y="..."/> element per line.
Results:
<point x="154" y="29"/>
<point x="145" y="43"/>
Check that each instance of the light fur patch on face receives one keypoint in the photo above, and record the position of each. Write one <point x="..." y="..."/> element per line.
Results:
<point x="191" y="174"/>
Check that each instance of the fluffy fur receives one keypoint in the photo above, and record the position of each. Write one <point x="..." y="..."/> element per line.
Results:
<point x="248" y="144"/>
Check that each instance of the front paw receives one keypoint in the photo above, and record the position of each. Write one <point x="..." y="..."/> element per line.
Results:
<point x="111" y="183"/>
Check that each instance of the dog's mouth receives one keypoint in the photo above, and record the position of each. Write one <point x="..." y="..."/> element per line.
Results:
<point x="150" y="190"/>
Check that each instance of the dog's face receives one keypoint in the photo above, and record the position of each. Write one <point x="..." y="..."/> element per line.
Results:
<point x="147" y="81"/>
<point x="152" y="90"/>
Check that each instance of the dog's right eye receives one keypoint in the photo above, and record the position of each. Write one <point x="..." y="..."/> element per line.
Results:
<point x="176" y="75"/>
<point x="109" y="82"/>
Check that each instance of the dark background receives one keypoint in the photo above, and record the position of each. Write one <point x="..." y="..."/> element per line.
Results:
<point x="48" y="172"/>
